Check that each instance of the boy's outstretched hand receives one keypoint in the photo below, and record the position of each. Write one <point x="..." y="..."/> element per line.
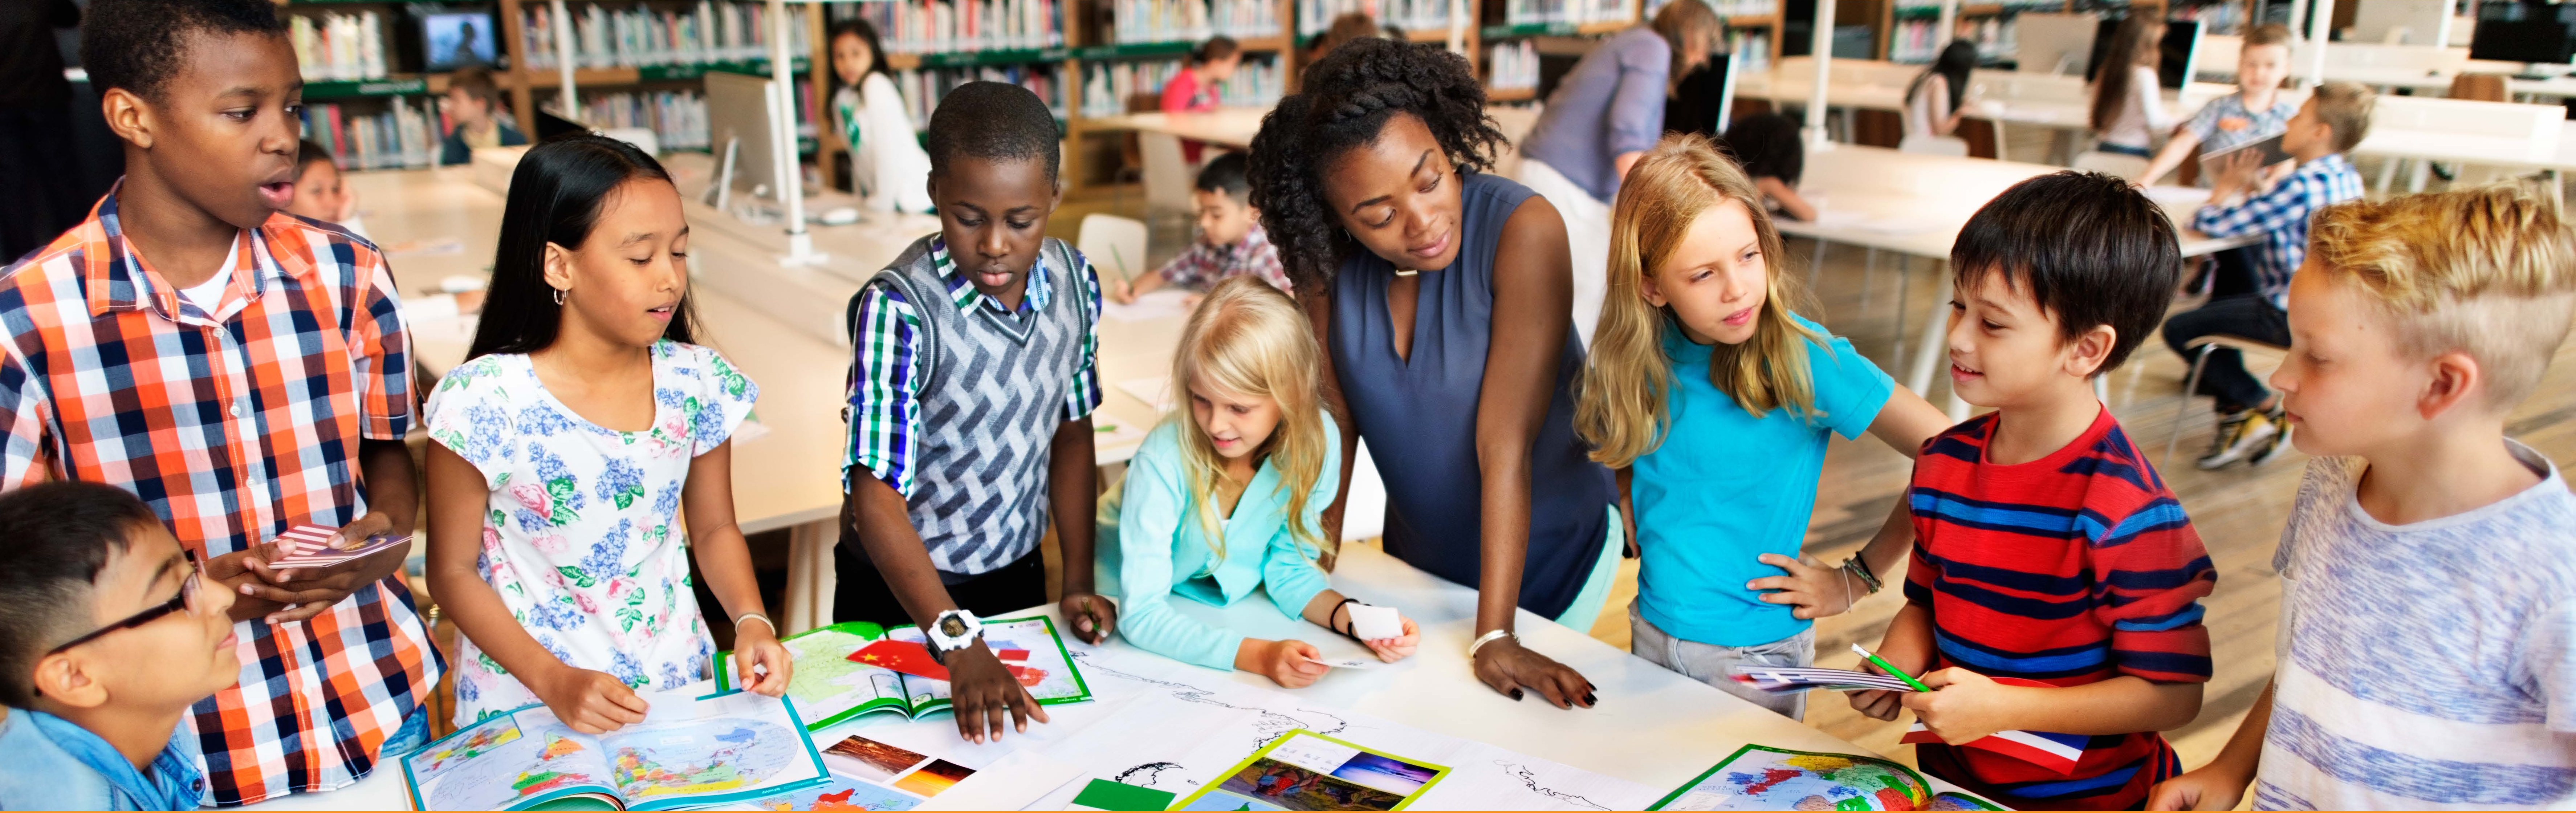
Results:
<point x="985" y="696"/>
<point x="1964" y="706"/>
<point x="2204" y="789"/>
<point x="1875" y="704"/>
<point x="295" y="594"/>
<point x="1091" y="616"/>
<point x="591" y="701"/>
<point x="760" y="662"/>
<point x="1815" y="589"/>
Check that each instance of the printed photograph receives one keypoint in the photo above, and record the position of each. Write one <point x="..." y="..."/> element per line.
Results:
<point x="1290" y="787"/>
<point x="934" y="778"/>
<point x="869" y="759"/>
<point x="1386" y="773"/>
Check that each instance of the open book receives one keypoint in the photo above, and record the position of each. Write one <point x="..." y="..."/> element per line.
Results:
<point x="688" y="752"/>
<point x="1760" y="777"/>
<point x="829" y="687"/>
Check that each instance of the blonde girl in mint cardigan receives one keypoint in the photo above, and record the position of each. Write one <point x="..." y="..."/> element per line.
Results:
<point x="1225" y="494"/>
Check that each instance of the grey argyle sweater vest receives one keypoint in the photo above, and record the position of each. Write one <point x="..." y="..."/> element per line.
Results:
<point x="991" y="393"/>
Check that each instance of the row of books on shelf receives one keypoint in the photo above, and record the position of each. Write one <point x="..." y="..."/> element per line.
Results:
<point x="1919" y="40"/>
<point x="936" y="26"/>
<point x="1725" y="8"/>
<point x="1315" y="16"/>
<point x="2008" y="5"/>
<point x="922" y="88"/>
<point x="1577" y="12"/>
<point x="405" y="134"/>
<point x="1192" y="20"/>
<point x="1752" y="49"/>
<point x="1107" y="87"/>
<point x="712" y="31"/>
<point x="332" y="46"/>
<point x="1512" y="65"/>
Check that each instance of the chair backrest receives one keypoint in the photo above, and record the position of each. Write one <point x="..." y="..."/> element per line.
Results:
<point x="2111" y="163"/>
<point x="1168" y="176"/>
<point x="2480" y="87"/>
<point x="1921" y="144"/>
<point x="1114" y="245"/>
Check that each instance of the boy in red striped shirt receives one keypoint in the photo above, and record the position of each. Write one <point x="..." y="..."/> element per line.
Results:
<point x="2055" y="585"/>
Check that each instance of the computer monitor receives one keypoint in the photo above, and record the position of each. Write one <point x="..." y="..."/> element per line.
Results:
<point x="455" y="39"/>
<point x="2181" y="46"/>
<point x="739" y="113"/>
<point x="2519" y="32"/>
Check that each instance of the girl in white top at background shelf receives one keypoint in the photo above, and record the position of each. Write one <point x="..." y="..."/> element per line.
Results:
<point x="888" y="168"/>
<point x="1938" y="98"/>
<point x="563" y="449"/>
<point x="2128" y="110"/>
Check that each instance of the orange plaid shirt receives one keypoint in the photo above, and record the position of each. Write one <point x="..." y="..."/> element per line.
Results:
<point x="234" y="425"/>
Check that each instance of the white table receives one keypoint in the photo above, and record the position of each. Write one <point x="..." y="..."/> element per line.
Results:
<point x="2004" y="98"/>
<point x="1228" y="126"/>
<point x="1652" y="726"/>
<point x="1914" y="205"/>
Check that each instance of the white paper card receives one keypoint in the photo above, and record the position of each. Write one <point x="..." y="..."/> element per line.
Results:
<point x="1370" y="622"/>
<point x="1347" y="663"/>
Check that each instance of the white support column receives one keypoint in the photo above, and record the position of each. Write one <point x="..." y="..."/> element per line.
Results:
<point x="2320" y="28"/>
<point x="1822" y="53"/>
<point x="1949" y="27"/>
<point x="564" y="61"/>
<point x="782" y="125"/>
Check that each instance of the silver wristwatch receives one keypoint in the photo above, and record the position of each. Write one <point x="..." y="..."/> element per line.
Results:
<point x="951" y="631"/>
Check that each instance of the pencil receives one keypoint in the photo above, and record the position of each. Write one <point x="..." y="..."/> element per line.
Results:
<point x="1899" y="673"/>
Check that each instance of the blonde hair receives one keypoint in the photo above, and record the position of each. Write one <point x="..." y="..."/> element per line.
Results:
<point x="2487" y="272"/>
<point x="1247" y="338"/>
<point x="1620" y="409"/>
<point x="1690" y="29"/>
<point x="2267" y="34"/>
<point x="2345" y="107"/>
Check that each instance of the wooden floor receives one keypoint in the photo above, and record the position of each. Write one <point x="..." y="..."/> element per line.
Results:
<point x="2238" y="511"/>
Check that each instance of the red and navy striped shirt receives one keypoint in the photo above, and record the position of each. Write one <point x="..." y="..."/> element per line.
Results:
<point x="2071" y="569"/>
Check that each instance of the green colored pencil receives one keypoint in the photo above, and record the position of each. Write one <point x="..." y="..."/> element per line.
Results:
<point x="1899" y="673"/>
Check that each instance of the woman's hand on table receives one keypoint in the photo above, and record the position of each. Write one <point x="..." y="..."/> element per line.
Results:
<point x="1510" y="668"/>
<point x="1290" y="663"/>
<point x="1400" y="647"/>
<point x="986" y="697"/>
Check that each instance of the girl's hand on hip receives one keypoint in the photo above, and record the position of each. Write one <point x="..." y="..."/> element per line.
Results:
<point x="1812" y="588"/>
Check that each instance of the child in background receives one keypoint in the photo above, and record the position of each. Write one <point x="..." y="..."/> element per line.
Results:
<point x="1770" y="151"/>
<point x="107" y="635"/>
<point x="2048" y="551"/>
<point x="1229" y="495"/>
<point x="564" y="447"/>
<point x="888" y="170"/>
<point x="992" y="327"/>
<point x="1714" y="400"/>
<point x="2427" y="654"/>
<point x="294" y="416"/>
<point x="1231" y="242"/>
<point x="1195" y="87"/>
<point x="2128" y="111"/>
<point x="1938" y="98"/>
<point x="473" y="105"/>
<point x="321" y="192"/>
<point x="2251" y="426"/>
<point x="2251" y="114"/>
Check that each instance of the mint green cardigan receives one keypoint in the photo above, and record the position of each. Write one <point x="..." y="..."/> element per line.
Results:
<point x="1160" y="550"/>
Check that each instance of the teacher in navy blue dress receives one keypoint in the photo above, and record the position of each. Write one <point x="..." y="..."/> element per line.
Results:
<point x="1442" y="295"/>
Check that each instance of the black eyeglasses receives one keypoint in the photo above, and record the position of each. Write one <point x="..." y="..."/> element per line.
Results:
<point x="187" y="599"/>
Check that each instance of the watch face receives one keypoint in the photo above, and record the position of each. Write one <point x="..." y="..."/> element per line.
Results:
<point x="952" y="627"/>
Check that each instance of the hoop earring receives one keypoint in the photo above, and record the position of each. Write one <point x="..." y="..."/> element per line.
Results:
<point x="559" y="296"/>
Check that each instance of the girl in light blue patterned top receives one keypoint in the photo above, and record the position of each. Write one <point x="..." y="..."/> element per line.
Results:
<point x="564" y="447"/>
<point x="1227" y="497"/>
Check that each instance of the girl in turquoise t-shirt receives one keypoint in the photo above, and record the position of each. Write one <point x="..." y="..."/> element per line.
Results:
<point x="1714" y="402"/>
<point x="1227" y="496"/>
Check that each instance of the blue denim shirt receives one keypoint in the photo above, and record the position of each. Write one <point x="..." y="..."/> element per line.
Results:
<point x="54" y="764"/>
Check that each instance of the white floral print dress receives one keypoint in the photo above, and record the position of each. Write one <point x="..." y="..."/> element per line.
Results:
<point x="581" y="535"/>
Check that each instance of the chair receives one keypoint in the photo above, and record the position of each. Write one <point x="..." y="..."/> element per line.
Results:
<point x="1113" y="244"/>
<point x="1921" y="144"/>
<point x="2199" y="350"/>
<point x="1168" y="176"/>
<point x="2111" y="163"/>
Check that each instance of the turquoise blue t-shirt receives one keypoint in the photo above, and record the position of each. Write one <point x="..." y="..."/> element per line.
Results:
<point x="1725" y="487"/>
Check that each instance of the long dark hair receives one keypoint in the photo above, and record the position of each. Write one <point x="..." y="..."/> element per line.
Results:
<point x="2132" y="42"/>
<point x="856" y="27"/>
<point x="555" y="197"/>
<point x="1347" y="100"/>
<point x="1953" y="66"/>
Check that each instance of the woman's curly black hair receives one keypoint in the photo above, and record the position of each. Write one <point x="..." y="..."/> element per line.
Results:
<point x="1349" y="96"/>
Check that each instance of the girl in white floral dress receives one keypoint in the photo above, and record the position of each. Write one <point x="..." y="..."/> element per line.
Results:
<point x="563" y="449"/>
